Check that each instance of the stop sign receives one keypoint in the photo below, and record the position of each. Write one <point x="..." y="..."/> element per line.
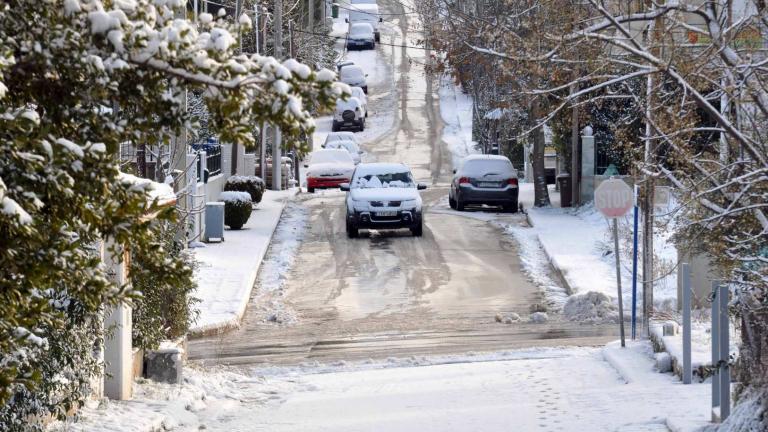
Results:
<point x="613" y="198"/>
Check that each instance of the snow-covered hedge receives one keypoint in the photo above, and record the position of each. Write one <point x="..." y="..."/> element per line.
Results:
<point x="237" y="208"/>
<point x="254" y="185"/>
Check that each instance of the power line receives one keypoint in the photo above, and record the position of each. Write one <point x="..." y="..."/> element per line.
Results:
<point x="343" y="38"/>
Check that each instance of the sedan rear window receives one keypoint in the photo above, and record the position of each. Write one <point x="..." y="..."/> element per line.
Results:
<point x="479" y="168"/>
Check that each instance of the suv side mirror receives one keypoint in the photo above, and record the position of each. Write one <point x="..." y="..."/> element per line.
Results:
<point x="306" y="165"/>
<point x="381" y="19"/>
<point x="421" y="186"/>
<point x="346" y="20"/>
<point x="344" y="187"/>
<point x="454" y="171"/>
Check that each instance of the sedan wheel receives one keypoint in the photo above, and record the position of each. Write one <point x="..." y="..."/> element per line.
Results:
<point x="452" y="202"/>
<point x="459" y="204"/>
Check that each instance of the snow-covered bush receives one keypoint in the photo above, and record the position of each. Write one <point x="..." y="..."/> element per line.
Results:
<point x="237" y="208"/>
<point x="77" y="79"/>
<point x="254" y="185"/>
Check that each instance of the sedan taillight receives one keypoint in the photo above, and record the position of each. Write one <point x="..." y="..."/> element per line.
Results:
<point x="512" y="181"/>
<point x="464" y="180"/>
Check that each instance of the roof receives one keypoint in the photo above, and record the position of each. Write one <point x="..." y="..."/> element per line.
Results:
<point x="485" y="157"/>
<point x="381" y="167"/>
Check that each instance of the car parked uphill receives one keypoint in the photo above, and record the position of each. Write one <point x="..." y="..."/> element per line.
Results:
<point x="353" y="76"/>
<point x="328" y="168"/>
<point x="349" y="114"/>
<point x="484" y="179"/>
<point x="350" y="146"/>
<point x="360" y="36"/>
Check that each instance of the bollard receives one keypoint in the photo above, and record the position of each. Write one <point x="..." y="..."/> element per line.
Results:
<point x="687" y="372"/>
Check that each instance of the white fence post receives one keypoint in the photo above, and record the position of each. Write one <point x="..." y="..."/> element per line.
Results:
<point x="715" y="347"/>
<point x="687" y="372"/>
<point x="725" y="373"/>
<point x="118" y="349"/>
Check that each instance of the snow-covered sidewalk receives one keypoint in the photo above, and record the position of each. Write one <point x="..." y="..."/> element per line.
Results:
<point x="544" y="389"/>
<point x="228" y="270"/>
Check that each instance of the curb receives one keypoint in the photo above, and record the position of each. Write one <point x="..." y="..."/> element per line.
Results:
<point x="557" y="271"/>
<point x="225" y="326"/>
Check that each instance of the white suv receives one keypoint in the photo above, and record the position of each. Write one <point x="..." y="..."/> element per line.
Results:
<point x="383" y="196"/>
<point x="349" y="114"/>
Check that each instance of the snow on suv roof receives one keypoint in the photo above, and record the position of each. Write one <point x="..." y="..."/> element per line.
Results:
<point x="485" y="157"/>
<point x="380" y="168"/>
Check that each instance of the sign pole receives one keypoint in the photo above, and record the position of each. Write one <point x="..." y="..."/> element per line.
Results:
<point x="613" y="198"/>
<point x="618" y="277"/>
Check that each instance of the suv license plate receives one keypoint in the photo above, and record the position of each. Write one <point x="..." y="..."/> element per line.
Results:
<point x="488" y="184"/>
<point x="386" y="213"/>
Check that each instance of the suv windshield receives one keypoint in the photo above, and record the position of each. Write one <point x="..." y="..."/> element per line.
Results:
<point x="400" y="179"/>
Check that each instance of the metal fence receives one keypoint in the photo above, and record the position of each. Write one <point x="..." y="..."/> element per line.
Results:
<point x="212" y="162"/>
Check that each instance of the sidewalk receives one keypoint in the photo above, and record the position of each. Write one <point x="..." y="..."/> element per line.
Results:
<point x="228" y="270"/>
<point x="538" y="389"/>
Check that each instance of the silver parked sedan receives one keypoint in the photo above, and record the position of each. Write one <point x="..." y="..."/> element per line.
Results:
<point x="484" y="179"/>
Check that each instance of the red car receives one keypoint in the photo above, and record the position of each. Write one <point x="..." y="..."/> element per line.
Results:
<point x="328" y="168"/>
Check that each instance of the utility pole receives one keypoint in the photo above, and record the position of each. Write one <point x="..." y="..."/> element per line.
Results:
<point x="311" y="16"/>
<point x="238" y="8"/>
<point x="654" y="36"/>
<point x="277" y="156"/>
<point x="296" y="160"/>
<point x="262" y="30"/>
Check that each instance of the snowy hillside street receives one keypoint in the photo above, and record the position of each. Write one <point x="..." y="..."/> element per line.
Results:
<point x="383" y="216"/>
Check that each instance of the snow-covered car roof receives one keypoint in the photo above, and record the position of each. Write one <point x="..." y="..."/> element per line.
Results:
<point x="485" y="157"/>
<point x="330" y="156"/>
<point x="360" y="29"/>
<point x="343" y="144"/>
<point x="480" y="165"/>
<point x="349" y="104"/>
<point x="352" y="72"/>
<point x="341" y="136"/>
<point x="380" y="168"/>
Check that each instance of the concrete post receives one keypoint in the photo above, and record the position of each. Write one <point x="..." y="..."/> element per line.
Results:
<point x="118" y="350"/>
<point x="587" y="183"/>
<point x="687" y="372"/>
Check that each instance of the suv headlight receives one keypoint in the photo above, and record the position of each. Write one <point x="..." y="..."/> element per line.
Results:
<point x="409" y="204"/>
<point x="360" y="205"/>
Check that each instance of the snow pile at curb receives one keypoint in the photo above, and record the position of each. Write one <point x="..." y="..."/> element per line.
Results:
<point x="592" y="307"/>
<point x="278" y="263"/>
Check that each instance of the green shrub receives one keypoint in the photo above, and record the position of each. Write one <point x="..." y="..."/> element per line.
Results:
<point x="255" y="186"/>
<point x="166" y="309"/>
<point x="237" y="208"/>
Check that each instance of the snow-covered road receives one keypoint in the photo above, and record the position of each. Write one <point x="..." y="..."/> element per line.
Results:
<point x="542" y="389"/>
<point x="387" y="293"/>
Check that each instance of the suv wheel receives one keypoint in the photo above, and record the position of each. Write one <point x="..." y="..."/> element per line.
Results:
<point x="511" y="207"/>
<point x="452" y="202"/>
<point x="352" y="230"/>
<point x="459" y="204"/>
<point x="417" y="231"/>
